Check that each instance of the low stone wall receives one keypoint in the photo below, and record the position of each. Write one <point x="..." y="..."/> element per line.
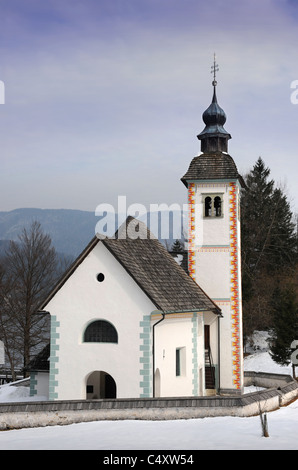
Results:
<point x="266" y="380"/>
<point x="35" y="414"/>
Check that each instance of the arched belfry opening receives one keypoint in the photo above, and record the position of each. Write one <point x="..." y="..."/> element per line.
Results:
<point x="100" y="384"/>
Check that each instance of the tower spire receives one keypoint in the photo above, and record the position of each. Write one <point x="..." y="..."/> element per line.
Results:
<point x="214" y="138"/>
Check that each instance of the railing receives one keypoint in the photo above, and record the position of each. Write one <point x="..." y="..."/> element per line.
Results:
<point x="209" y="362"/>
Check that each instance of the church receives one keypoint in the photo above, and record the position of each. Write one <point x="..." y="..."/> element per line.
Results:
<point x="127" y="321"/>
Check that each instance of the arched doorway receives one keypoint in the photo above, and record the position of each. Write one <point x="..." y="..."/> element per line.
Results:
<point x="157" y="383"/>
<point x="100" y="384"/>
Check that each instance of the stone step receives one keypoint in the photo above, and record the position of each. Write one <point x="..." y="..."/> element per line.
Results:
<point x="210" y="392"/>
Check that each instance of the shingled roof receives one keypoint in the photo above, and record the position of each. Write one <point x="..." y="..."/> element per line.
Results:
<point x="207" y="166"/>
<point x="156" y="272"/>
<point x="147" y="261"/>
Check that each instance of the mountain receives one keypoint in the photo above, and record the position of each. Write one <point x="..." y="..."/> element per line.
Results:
<point x="70" y="230"/>
<point x="4" y="244"/>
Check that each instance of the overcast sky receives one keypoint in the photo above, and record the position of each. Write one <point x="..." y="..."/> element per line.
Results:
<point x="105" y="97"/>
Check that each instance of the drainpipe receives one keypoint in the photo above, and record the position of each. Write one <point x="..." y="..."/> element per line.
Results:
<point x="153" y="353"/>
<point x="218" y="350"/>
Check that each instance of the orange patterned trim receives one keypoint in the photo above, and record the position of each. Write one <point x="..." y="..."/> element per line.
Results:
<point x="235" y="313"/>
<point x="191" y="231"/>
<point x="214" y="249"/>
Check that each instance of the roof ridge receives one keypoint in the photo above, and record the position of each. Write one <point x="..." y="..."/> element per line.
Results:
<point x="133" y="228"/>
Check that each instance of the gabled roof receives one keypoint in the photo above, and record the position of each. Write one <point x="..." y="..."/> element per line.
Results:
<point x="150" y="265"/>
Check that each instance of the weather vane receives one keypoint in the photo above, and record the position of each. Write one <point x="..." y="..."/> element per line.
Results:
<point x="214" y="69"/>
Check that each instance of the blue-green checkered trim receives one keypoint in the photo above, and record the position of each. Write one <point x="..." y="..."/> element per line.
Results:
<point x="145" y="358"/>
<point x="33" y="384"/>
<point x="54" y="358"/>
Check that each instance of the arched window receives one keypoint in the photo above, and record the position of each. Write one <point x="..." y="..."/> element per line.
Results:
<point x="208" y="207"/>
<point x="213" y="205"/>
<point x="100" y="331"/>
<point x="217" y="206"/>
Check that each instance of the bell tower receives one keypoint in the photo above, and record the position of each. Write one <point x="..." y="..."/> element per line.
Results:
<point x="214" y="254"/>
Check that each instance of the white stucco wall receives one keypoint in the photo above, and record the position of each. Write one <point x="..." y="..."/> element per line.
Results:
<point x="213" y="267"/>
<point x="171" y="334"/>
<point x="82" y="300"/>
<point x="185" y="332"/>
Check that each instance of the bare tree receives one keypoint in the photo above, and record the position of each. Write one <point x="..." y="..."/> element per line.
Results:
<point x="27" y="274"/>
<point x="7" y="334"/>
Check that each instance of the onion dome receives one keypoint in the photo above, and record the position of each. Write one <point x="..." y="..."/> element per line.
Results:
<point x="214" y="138"/>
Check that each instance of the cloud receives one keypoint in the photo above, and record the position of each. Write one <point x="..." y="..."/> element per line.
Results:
<point x="108" y="96"/>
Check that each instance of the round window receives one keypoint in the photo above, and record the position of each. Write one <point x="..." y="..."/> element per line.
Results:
<point x="100" y="277"/>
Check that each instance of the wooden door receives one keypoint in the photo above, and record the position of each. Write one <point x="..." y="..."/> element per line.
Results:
<point x="207" y="336"/>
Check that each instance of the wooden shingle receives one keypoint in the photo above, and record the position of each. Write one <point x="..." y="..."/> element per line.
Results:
<point x="166" y="283"/>
<point x="212" y="166"/>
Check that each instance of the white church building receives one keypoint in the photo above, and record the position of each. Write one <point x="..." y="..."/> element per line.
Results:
<point x="127" y="321"/>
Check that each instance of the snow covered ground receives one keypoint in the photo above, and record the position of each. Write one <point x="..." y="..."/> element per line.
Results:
<point x="223" y="433"/>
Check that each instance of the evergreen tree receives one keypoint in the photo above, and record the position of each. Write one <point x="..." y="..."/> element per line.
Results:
<point x="269" y="244"/>
<point x="268" y="231"/>
<point x="282" y="240"/>
<point x="284" y="308"/>
<point x="177" y="247"/>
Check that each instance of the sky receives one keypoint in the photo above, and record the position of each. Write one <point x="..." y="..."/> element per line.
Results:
<point x="104" y="98"/>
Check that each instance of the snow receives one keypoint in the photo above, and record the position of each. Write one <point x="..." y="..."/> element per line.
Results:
<point x="13" y="393"/>
<point x="262" y="362"/>
<point x="226" y="433"/>
<point x="222" y="433"/>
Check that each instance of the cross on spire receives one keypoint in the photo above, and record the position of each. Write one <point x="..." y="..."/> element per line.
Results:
<point x="214" y="69"/>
